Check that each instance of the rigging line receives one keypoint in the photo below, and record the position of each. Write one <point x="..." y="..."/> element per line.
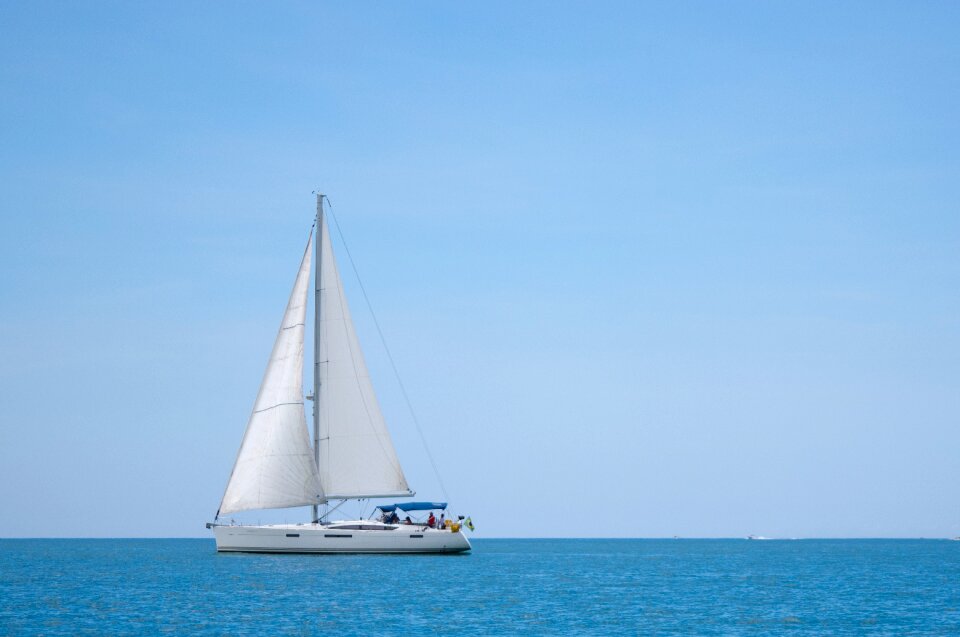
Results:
<point x="393" y="365"/>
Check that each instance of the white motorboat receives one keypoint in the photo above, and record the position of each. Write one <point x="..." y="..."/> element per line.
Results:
<point x="352" y="456"/>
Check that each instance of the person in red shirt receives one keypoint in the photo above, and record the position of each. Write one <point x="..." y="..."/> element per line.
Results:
<point x="431" y="521"/>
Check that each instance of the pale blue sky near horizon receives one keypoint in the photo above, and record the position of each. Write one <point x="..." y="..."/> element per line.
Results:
<point x="647" y="269"/>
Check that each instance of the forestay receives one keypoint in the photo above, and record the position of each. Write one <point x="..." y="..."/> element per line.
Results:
<point x="356" y="456"/>
<point x="275" y="467"/>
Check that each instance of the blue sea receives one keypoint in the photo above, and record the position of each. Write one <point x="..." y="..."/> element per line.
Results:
<point x="532" y="587"/>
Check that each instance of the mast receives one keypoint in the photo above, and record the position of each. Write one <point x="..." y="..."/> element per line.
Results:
<point x="316" y="339"/>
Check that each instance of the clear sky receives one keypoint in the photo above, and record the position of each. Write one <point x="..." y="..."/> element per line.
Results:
<point x="647" y="269"/>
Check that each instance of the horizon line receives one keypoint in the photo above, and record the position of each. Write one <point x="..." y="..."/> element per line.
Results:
<point x="664" y="537"/>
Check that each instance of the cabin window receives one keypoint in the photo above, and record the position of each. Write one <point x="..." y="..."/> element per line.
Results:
<point x="337" y="535"/>
<point x="416" y="536"/>
<point x="293" y="535"/>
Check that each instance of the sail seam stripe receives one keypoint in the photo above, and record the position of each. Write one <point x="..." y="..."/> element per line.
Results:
<point x="260" y="411"/>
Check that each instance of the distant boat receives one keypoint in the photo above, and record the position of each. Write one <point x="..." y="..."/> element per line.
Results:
<point x="757" y="537"/>
<point x="352" y="456"/>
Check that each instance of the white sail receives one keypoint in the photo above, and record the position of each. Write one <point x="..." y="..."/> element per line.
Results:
<point x="275" y="467"/>
<point x="356" y="458"/>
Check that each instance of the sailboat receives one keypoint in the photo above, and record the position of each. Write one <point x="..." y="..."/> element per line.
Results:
<point x="351" y="457"/>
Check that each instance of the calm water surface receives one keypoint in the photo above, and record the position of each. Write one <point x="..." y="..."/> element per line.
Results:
<point x="552" y="587"/>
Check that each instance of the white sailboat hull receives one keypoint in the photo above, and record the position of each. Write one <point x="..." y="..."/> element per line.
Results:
<point x="318" y="538"/>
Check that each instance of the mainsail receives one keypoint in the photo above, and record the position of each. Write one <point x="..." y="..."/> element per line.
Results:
<point x="275" y="467"/>
<point x="356" y="456"/>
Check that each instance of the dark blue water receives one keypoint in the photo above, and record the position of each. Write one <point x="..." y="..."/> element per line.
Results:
<point x="658" y="587"/>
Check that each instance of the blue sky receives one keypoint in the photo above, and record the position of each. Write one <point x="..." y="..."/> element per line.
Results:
<point x="647" y="269"/>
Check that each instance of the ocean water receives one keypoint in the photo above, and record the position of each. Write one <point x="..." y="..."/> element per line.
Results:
<point x="535" y="587"/>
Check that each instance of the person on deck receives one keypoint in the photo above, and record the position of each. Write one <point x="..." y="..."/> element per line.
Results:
<point x="431" y="521"/>
<point x="442" y="516"/>
<point x="407" y="520"/>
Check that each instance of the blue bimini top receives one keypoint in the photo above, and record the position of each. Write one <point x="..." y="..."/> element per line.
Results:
<point x="413" y="506"/>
